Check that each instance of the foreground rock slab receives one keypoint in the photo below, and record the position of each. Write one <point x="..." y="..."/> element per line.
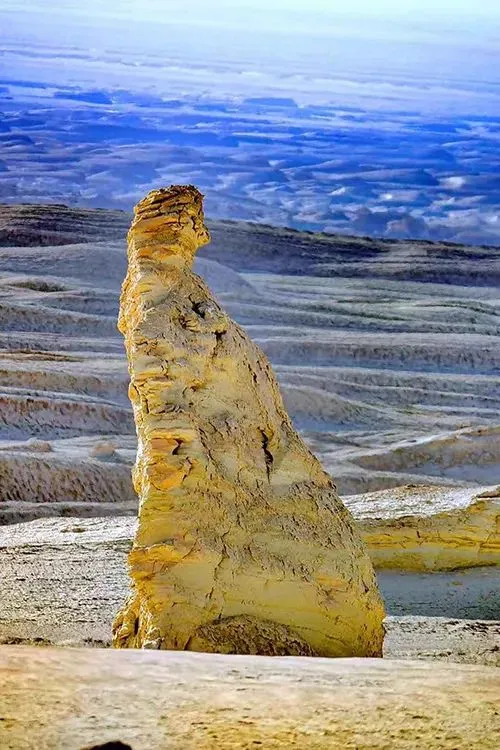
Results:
<point x="67" y="699"/>
<point x="243" y="545"/>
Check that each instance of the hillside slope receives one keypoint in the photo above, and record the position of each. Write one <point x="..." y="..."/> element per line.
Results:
<point x="387" y="353"/>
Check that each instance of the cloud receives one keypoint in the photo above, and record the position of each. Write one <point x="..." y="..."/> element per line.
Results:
<point x="453" y="183"/>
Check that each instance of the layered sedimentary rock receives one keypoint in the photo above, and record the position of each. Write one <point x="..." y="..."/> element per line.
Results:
<point x="31" y="224"/>
<point x="80" y="476"/>
<point x="430" y="528"/>
<point x="243" y="544"/>
<point x="390" y="381"/>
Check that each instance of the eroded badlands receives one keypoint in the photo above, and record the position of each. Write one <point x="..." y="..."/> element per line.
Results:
<point x="387" y="355"/>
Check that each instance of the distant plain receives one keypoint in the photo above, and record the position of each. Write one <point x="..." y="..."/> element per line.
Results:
<point x="384" y="126"/>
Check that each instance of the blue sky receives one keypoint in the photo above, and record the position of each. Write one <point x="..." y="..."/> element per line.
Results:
<point x="461" y="23"/>
<point x="428" y="46"/>
<point x="369" y="7"/>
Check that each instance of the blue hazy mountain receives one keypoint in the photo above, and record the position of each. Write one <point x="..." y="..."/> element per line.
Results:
<point x="362" y="124"/>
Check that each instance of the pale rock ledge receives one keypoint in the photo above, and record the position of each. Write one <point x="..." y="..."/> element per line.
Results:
<point x="430" y="527"/>
<point x="242" y="544"/>
<point x="75" y="698"/>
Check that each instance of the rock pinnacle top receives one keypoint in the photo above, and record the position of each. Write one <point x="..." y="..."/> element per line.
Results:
<point x="172" y="217"/>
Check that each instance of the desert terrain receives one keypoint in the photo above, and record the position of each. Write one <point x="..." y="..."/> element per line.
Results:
<point x="387" y="354"/>
<point x="158" y="699"/>
<point x="348" y="159"/>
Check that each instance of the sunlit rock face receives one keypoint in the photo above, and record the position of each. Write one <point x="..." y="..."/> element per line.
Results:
<point x="243" y="544"/>
<point x="430" y="528"/>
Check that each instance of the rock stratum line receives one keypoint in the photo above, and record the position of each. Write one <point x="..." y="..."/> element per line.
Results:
<point x="243" y="544"/>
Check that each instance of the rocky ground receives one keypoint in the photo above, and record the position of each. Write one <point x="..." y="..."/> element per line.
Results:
<point x="388" y="357"/>
<point x="63" y="581"/>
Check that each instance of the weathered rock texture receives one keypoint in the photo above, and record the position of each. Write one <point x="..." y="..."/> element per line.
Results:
<point x="390" y="381"/>
<point x="243" y="544"/>
<point x="64" y="579"/>
<point x="430" y="528"/>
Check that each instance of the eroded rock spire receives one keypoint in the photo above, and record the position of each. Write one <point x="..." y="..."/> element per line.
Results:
<point x="243" y="544"/>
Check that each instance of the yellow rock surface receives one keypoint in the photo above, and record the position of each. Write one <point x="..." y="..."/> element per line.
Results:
<point x="242" y="543"/>
<point x="68" y="699"/>
<point x="430" y="527"/>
